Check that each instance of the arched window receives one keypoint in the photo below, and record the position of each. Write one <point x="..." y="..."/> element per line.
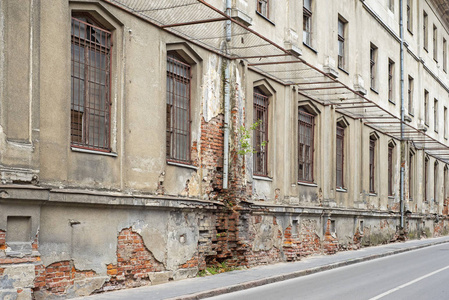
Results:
<point x="90" y="72"/>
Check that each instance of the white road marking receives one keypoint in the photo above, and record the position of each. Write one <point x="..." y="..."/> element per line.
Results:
<point x="408" y="283"/>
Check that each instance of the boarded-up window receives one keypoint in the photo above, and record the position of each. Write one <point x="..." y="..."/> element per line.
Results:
<point x="90" y="72"/>
<point x="306" y="123"/>
<point x="260" y="114"/>
<point x="178" y="109"/>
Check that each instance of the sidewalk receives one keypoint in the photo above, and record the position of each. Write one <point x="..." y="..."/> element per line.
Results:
<point x="202" y="287"/>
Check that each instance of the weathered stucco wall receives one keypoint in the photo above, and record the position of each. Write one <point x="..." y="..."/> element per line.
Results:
<point x="76" y="222"/>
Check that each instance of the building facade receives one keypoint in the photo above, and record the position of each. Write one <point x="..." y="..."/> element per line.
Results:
<point x="144" y="141"/>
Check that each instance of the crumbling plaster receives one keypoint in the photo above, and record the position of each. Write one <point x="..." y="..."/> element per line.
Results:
<point x="171" y="236"/>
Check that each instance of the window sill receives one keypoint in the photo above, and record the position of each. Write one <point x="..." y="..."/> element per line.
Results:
<point x="371" y="194"/>
<point x="310" y="47"/>
<point x="307" y="184"/>
<point x="391" y="102"/>
<point x="341" y="190"/>
<point x="425" y="49"/>
<point x="171" y="163"/>
<point x="374" y="90"/>
<point x="82" y="150"/>
<point x="391" y="197"/>
<point x="265" y="178"/>
<point x="411" y="199"/>
<point x="411" y="114"/>
<point x="264" y="17"/>
<point x="409" y="31"/>
<point x="343" y="70"/>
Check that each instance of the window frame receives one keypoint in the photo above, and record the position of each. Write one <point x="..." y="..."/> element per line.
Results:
<point x="309" y="127"/>
<point x="263" y="8"/>
<point x="410" y="90"/>
<point x="391" y="70"/>
<point x="425" y="30"/>
<point x="435" y="115"/>
<point x="426" y="107"/>
<point x="90" y="110"/>
<point x="340" y="157"/>
<point x="435" y="181"/>
<point x="261" y="130"/>
<point x="341" y="61"/>
<point x="173" y="132"/>
<point x="426" y="178"/>
<point x="307" y="24"/>
<point x="391" y="147"/>
<point x="435" y="43"/>
<point x="410" y="16"/>
<point x="372" y="163"/>
<point x="373" y="66"/>
<point x="411" y="172"/>
<point x="444" y="55"/>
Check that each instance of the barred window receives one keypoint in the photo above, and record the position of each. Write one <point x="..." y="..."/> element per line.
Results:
<point x="306" y="124"/>
<point x="260" y="114"/>
<point x="340" y="156"/>
<point x="90" y="72"/>
<point x="178" y="109"/>
<point x="372" y="166"/>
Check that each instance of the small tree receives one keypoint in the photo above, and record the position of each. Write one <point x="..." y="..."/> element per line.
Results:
<point x="245" y="138"/>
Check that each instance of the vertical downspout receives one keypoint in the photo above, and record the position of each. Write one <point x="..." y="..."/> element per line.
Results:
<point x="401" y="29"/>
<point x="227" y="100"/>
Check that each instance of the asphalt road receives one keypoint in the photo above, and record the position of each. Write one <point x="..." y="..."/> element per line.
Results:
<point x="419" y="274"/>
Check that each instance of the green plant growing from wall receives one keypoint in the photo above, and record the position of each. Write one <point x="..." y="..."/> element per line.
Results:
<point x="245" y="138"/>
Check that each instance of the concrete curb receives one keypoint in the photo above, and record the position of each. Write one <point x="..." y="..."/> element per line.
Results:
<point x="277" y="278"/>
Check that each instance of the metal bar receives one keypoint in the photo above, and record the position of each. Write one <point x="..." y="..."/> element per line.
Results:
<point x="277" y="63"/>
<point x="322" y="88"/>
<point x="194" y="22"/>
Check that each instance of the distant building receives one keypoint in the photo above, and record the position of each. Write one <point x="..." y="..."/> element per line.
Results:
<point x="141" y="141"/>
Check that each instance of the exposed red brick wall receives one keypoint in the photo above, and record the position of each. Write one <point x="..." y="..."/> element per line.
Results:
<point x="2" y="240"/>
<point x="330" y="243"/>
<point x="134" y="262"/>
<point x="57" y="277"/>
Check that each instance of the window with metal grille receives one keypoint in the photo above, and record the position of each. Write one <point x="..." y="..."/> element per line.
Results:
<point x="373" y="58"/>
<point x="340" y="156"/>
<point x="372" y="161"/>
<point x="391" y="80"/>
<point x="425" y="33"/>
<point x="410" y="176"/>
<point x="390" y="169"/>
<point x="410" y="95"/>
<point x="306" y="124"/>
<point x="341" y="43"/>
<point x="90" y="72"/>
<point x="260" y="115"/>
<point x="178" y="109"/>
<point x="426" y="107"/>
<point x="435" y="43"/>
<point x="307" y="23"/>
<point x="409" y="16"/>
<point x="262" y="7"/>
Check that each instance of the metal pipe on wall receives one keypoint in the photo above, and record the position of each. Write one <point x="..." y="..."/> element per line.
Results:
<point x="401" y="29"/>
<point x="227" y="100"/>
